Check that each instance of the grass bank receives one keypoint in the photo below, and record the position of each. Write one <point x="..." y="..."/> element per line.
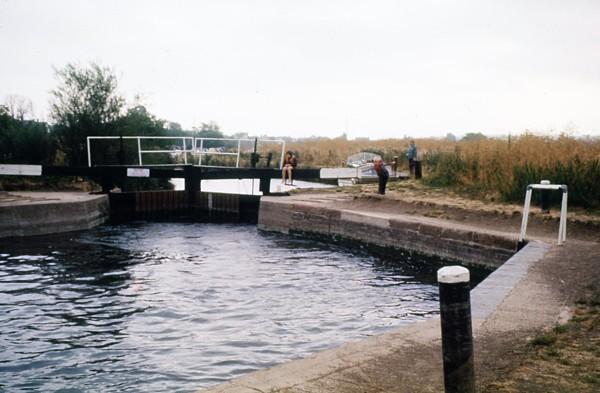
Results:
<point x="564" y="359"/>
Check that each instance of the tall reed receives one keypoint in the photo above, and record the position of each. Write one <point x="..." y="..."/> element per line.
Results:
<point x="493" y="166"/>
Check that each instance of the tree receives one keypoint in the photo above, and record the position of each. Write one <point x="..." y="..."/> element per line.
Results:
<point x="473" y="136"/>
<point x="24" y="141"/>
<point x="18" y="106"/>
<point x="450" y="137"/>
<point x="174" y="128"/>
<point x="138" y="121"/>
<point x="85" y="103"/>
<point x="209" y="130"/>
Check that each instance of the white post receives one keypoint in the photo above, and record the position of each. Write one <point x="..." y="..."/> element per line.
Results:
<point x="184" y="151"/>
<point x="525" y="214"/>
<point x="237" y="162"/>
<point x="139" y="150"/>
<point x="89" y="152"/>
<point x="562" y="228"/>
<point x="201" y="150"/>
<point x="566" y="196"/>
<point x="282" y="154"/>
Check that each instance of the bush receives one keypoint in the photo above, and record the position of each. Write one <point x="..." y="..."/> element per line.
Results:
<point x="25" y="141"/>
<point x="581" y="177"/>
<point x="446" y="169"/>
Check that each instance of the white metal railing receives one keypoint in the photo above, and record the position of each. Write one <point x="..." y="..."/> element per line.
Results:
<point x="201" y="150"/>
<point x="197" y="148"/>
<point x="562" y="226"/>
<point x="184" y="150"/>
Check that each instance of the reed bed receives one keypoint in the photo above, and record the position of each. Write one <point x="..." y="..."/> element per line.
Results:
<point x="492" y="167"/>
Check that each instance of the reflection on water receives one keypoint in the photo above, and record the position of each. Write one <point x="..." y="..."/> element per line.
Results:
<point x="173" y="307"/>
<point x="246" y="186"/>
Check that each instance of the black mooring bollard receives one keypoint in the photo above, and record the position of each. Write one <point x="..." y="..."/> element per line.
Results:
<point x="418" y="170"/>
<point x="545" y="198"/>
<point x="457" y="337"/>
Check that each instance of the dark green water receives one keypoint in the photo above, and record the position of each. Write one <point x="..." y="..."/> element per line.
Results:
<point x="175" y="307"/>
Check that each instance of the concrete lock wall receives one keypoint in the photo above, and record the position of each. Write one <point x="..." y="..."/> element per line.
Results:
<point x="413" y="349"/>
<point x="409" y="354"/>
<point x="419" y="234"/>
<point x="67" y="212"/>
<point x="38" y="213"/>
<point x="171" y="204"/>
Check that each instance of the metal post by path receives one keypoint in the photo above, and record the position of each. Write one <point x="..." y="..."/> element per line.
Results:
<point x="457" y="337"/>
<point x="254" y="157"/>
<point x="265" y="185"/>
<point x="192" y="185"/>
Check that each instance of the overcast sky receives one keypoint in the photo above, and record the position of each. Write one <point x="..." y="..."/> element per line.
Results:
<point x="300" y="68"/>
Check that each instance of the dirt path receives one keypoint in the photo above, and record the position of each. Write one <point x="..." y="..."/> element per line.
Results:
<point x="566" y="275"/>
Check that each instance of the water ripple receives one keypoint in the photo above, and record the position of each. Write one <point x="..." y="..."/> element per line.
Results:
<point x="174" y="307"/>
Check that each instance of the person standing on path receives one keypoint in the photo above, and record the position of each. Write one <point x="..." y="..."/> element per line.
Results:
<point x="412" y="157"/>
<point x="382" y="174"/>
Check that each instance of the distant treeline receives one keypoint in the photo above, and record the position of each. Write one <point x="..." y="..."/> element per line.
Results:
<point x="86" y="103"/>
<point x="24" y="141"/>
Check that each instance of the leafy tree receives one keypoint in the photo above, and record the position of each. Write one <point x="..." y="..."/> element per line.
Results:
<point x="211" y="130"/>
<point x="208" y="130"/>
<point x="474" y="136"/>
<point x="138" y="121"/>
<point x="85" y="103"/>
<point x="174" y="128"/>
<point x="24" y="141"/>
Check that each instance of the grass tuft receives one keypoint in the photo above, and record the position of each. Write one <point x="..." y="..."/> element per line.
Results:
<point x="543" y="340"/>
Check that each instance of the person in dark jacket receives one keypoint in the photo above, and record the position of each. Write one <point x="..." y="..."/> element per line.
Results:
<point x="412" y="157"/>
<point x="382" y="174"/>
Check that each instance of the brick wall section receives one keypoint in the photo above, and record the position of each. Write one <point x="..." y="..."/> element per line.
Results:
<point x="420" y="234"/>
